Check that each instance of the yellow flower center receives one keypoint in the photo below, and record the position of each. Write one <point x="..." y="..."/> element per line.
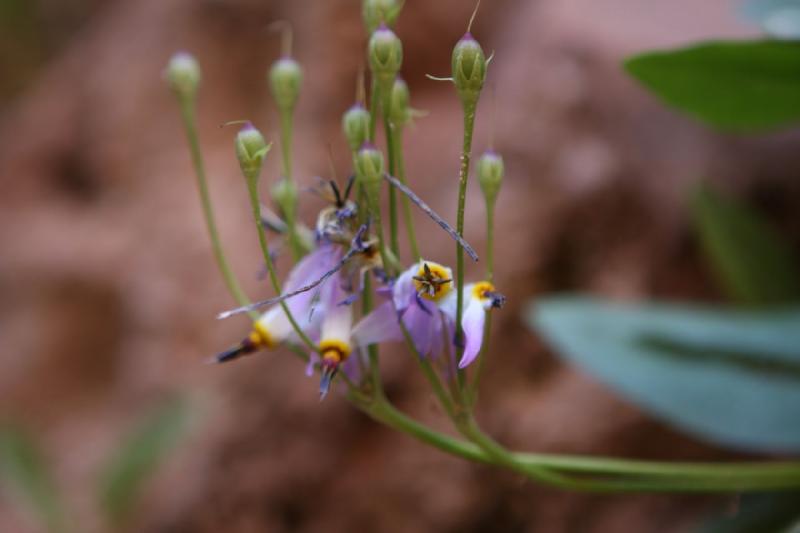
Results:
<point x="480" y="290"/>
<point x="334" y="350"/>
<point x="261" y="337"/>
<point x="433" y="281"/>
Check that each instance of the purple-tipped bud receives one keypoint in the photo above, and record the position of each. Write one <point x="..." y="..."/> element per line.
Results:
<point x="183" y="74"/>
<point x="377" y="12"/>
<point x="491" y="171"/>
<point x="355" y="124"/>
<point x="285" y="77"/>
<point x="250" y="150"/>
<point x="385" y="53"/>
<point x="469" y="68"/>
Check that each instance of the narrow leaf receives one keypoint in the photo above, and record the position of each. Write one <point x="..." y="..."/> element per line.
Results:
<point x="138" y="457"/>
<point x="739" y="86"/>
<point x="753" y="263"/>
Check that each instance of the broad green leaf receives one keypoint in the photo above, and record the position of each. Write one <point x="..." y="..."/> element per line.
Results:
<point x="759" y="513"/>
<point x="731" y="377"/>
<point x="740" y="86"/>
<point x="753" y="263"/>
<point x="138" y="457"/>
<point x="24" y="471"/>
<point x="778" y="18"/>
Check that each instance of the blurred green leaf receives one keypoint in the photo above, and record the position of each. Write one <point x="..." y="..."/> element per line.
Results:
<point x="759" y="513"/>
<point x="24" y="471"/>
<point x="740" y="86"/>
<point x="731" y="377"/>
<point x="138" y="457"/>
<point x="778" y="18"/>
<point x="753" y="263"/>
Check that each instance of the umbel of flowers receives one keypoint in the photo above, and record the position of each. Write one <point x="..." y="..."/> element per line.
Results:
<point x="351" y="290"/>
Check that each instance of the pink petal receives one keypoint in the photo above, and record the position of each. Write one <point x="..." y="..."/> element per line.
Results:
<point x="381" y="325"/>
<point x="472" y="324"/>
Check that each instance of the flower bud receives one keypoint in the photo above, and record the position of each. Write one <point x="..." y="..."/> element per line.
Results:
<point x="377" y="12"/>
<point x="369" y="165"/>
<point x="250" y="150"/>
<point x="490" y="175"/>
<point x="183" y="74"/>
<point x="285" y="77"/>
<point x="399" y="111"/>
<point x="469" y="68"/>
<point x="385" y="52"/>
<point x="355" y="124"/>
<point x="284" y="192"/>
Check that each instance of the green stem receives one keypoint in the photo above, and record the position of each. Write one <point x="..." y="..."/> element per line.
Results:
<point x="469" y="125"/>
<point x="188" y="116"/>
<point x="252" y="189"/>
<point x="290" y="212"/>
<point x="407" y="213"/>
<point x="373" y="110"/>
<point x="388" y="129"/>
<point x="631" y="475"/>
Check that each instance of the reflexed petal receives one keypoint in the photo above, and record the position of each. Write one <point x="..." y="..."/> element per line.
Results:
<point x="472" y="324"/>
<point x="312" y="267"/>
<point x="313" y="359"/>
<point x="381" y="325"/>
<point x="404" y="290"/>
<point x="420" y="324"/>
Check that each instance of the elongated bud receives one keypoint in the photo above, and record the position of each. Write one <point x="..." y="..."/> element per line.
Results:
<point x="385" y="54"/>
<point x="355" y="124"/>
<point x="369" y="166"/>
<point x="250" y="150"/>
<point x="490" y="175"/>
<point x="285" y="195"/>
<point x="377" y="12"/>
<point x="399" y="111"/>
<point x="469" y="68"/>
<point x="183" y="74"/>
<point x="285" y="77"/>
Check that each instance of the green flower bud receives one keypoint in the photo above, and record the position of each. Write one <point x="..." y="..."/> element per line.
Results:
<point x="355" y="124"/>
<point x="183" y="74"/>
<point x="250" y="150"/>
<point x="490" y="175"/>
<point x="285" y="77"/>
<point x="469" y="68"/>
<point x="369" y="166"/>
<point x="385" y="53"/>
<point x="377" y="12"/>
<point x="285" y="195"/>
<point x="399" y="111"/>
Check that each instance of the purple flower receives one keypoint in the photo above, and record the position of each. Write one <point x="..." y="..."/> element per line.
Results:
<point x="479" y="298"/>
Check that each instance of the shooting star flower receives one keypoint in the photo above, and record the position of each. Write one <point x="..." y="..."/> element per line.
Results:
<point x="479" y="298"/>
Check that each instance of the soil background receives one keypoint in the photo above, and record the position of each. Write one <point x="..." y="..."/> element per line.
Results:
<point x="109" y="290"/>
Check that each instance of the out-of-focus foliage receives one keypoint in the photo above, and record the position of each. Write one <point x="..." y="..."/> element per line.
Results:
<point x="737" y="86"/>
<point x="732" y="377"/>
<point x="778" y="18"/>
<point x="25" y="473"/>
<point x="138" y="457"/>
<point x="760" y="513"/>
<point x="753" y="264"/>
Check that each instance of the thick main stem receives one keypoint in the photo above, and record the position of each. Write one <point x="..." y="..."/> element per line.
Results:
<point x="187" y="114"/>
<point x="469" y="125"/>
<point x="407" y="213"/>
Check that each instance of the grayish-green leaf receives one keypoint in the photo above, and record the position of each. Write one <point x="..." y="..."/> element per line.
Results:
<point x="753" y="263"/>
<point x="739" y="86"/>
<point x="731" y="377"/>
<point x="24" y="472"/>
<point x="138" y="457"/>
<point x="778" y="18"/>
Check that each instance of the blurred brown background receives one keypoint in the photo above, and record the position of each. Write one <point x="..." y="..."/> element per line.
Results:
<point x="109" y="290"/>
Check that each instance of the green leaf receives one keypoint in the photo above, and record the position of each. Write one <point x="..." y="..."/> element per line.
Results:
<point x="730" y="377"/>
<point x="740" y="86"/>
<point x="759" y="513"/>
<point x="138" y="457"/>
<point x="24" y="471"/>
<point x="779" y="18"/>
<point x="753" y="263"/>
